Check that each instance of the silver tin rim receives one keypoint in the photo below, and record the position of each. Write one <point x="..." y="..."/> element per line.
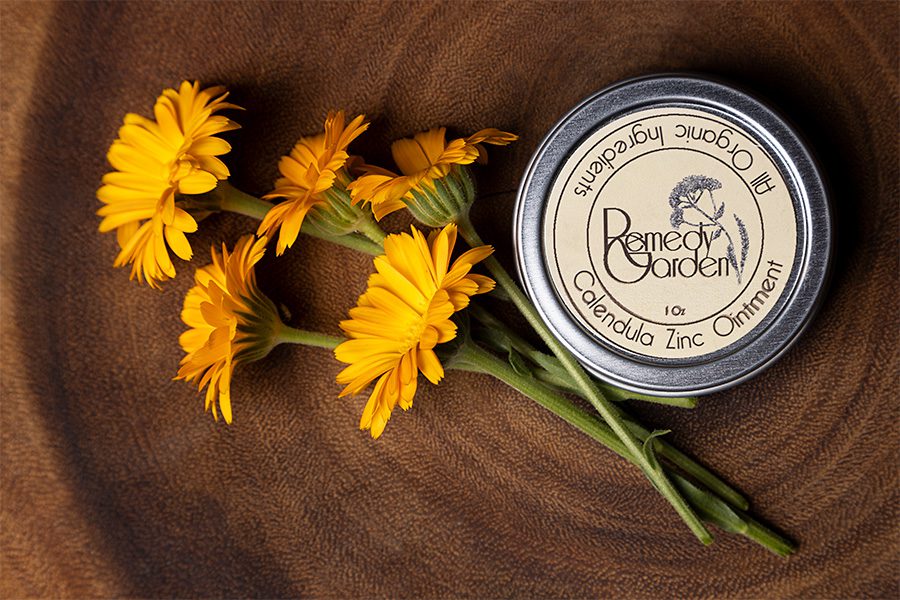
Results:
<point x="777" y="332"/>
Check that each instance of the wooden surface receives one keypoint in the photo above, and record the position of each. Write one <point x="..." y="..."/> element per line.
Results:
<point x="114" y="482"/>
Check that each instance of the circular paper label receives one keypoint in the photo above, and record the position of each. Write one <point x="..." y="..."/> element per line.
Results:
<point x="670" y="232"/>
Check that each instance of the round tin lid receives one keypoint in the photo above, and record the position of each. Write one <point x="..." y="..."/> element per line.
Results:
<point x="674" y="233"/>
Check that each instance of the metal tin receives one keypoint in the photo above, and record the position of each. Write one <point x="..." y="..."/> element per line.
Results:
<point x="674" y="233"/>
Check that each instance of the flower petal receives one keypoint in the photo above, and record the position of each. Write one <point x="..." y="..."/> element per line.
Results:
<point x="178" y="243"/>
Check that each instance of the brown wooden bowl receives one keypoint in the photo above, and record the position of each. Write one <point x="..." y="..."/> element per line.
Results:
<point x="115" y="482"/>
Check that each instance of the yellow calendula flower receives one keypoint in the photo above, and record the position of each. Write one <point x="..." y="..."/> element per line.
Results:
<point x="402" y="316"/>
<point x="425" y="161"/>
<point x="177" y="153"/>
<point x="230" y="322"/>
<point x="315" y="167"/>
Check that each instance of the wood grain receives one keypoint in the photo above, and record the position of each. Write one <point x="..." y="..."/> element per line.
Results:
<point x="114" y="482"/>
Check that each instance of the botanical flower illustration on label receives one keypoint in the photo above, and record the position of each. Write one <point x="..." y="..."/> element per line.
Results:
<point x="670" y="232"/>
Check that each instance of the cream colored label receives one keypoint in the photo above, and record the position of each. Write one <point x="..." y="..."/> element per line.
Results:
<point x="670" y="232"/>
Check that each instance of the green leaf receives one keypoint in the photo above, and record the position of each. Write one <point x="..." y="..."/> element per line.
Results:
<point x="518" y="363"/>
<point x="648" y="450"/>
<point x="710" y="507"/>
<point x="492" y="337"/>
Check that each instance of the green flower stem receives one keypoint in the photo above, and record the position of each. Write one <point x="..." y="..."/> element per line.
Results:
<point x="562" y="383"/>
<point x="713" y="508"/>
<point x="234" y="200"/>
<point x="291" y="335"/>
<point x="665" y="451"/>
<point x="552" y="369"/>
<point x="372" y="230"/>
<point x="354" y="241"/>
<point x="474" y="359"/>
<point x="618" y="394"/>
<point x="588" y="389"/>
<point x="688" y="465"/>
<point x="733" y="520"/>
<point x="556" y="377"/>
<point x="772" y="540"/>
